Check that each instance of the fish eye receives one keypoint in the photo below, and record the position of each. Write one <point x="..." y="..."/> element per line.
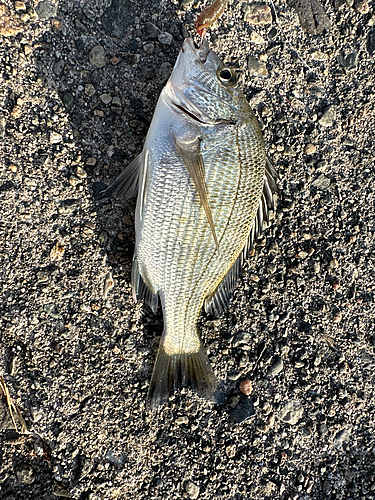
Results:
<point x="227" y="77"/>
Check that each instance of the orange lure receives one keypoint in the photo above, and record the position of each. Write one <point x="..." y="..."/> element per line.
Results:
<point x="209" y="15"/>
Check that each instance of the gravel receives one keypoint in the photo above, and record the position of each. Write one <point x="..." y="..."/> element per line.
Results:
<point x="79" y="84"/>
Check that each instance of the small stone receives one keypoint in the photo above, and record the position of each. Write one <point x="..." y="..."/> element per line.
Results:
<point x="19" y="6"/>
<point x="349" y="62"/>
<point x="328" y="117"/>
<point x="230" y="450"/>
<point x="114" y="60"/>
<point x="116" y="101"/>
<point x="13" y="168"/>
<point x="114" y="459"/>
<point x="68" y="100"/>
<point x="55" y="138"/>
<point x="106" y="98"/>
<point x="57" y="252"/>
<point x="89" y="89"/>
<point x="97" y="56"/>
<point x="57" y="26"/>
<point x="149" y="47"/>
<point x="334" y="264"/>
<point x="309" y="149"/>
<point x="317" y="55"/>
<point x="16" y="112"/>
<point x="58" y="67"/>
<point x="246" y="386"/>
<point x="254" y="278"/>
<point x="362" y="7"/>
<point x="192" y="489"/>
<point x="81" y="173"/>
<point x="165" y="70"/>
<point x="243" y="411"/>
<point x="258" y="13"/>
<point x="341" y="437"/>
<point x="370" y="45"/>
<point x="337" y="318"/>
<point x="322" y="429"/>
<point x="91" y="162"/>
<point x="151" y="30"/>
<point x="182" y="420"/>
<point x="271" y="268"/>
<point x="46" y="9"/>
<point x="74" y="181"/>
<point x="25" y="474"/>
<point x="255" y="38"/>
<point x="276" y="368"/>
<point x="322" y="182"/>
<point x="291" y="412"/>
<point x="165" y="38"/>
<point x="256" y="67"/>
<point x="98" y="112"/>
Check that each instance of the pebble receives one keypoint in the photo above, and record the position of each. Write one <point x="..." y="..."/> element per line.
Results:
<point x="57" y="252"/>
<point x="182" y="420"/>
<point x="349" y="62"/>
<point x="243" y="411"/>
<point x="322" y="182"/>
<point x="74" y="181"/>
<point x="362" y="7"/>
<point x="55" y="138"/>
<point x="81" y="173"/>
<point x="97" y="56"/>
<point x="152" y="31"/>
<point x="165" y="38"/>
<point x="370" y="45"/>
<point x="116" y="101"/>
<point x="271" y="268"/>
<point x="328" y="117"/>
<point x="333" y="264"/>
<point x="113" y="459"/>
<point x="337" y="318"/>
<point x="91" y="162"/>
<point x="317" y="55"/>
<point x="257" y="13"/>
<point x="246" y="386"/>
<point x="256" y="67"/>
<point x="52" y="311"/>
<point x="255" y="38"/>
<point x="149" y="47"/>
<point x="276" y="368"/>
<point x="106" y="98"/>
<point x="68" y="100"/>
<point x="90" y="89"/>
<point x="192" y="489"/>
<point x="341" y="437"/>
<point x="291" y="412"/>
<point x="165" y="70"/>
<point x="309" y="149"/>
<point x="19" y="6"/>
<point x="46" y="9"/>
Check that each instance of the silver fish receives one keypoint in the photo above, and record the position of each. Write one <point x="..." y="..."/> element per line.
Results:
<point x="204" y="189"/>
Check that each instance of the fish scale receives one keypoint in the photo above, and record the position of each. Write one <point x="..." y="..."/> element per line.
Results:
<point x="201" y="178"/>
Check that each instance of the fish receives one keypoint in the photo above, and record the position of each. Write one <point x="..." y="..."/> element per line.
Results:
<point x="204" y="191"/>
<point x="209" y="15"/>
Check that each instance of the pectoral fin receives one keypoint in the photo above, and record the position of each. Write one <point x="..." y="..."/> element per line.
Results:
<point x="191" y="155"/>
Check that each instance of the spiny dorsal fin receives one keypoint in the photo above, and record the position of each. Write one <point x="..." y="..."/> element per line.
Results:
<point x="219" y="301"/>
<point x="191" y="155"/>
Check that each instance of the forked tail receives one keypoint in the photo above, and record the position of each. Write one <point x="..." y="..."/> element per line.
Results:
<point x="173" y="371"/>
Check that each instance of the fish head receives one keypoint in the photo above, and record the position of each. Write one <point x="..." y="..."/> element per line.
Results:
<point x="203" y="88"/>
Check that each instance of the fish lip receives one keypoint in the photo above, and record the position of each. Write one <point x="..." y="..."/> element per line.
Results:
<point x="201" y="52"/>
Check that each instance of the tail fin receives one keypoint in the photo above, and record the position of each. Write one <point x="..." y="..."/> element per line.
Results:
<point x="173" y="371"/>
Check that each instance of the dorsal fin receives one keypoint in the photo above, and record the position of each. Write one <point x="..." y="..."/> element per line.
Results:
<point x="191" y="155"/>
<point x="219" y="301"/>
